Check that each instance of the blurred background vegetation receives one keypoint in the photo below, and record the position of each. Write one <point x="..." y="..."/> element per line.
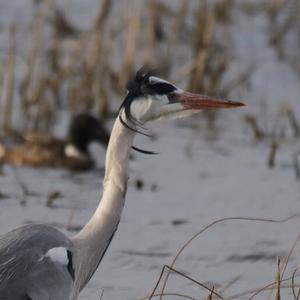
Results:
<point x="59" y="58"/>
<point x="52" y="64"/>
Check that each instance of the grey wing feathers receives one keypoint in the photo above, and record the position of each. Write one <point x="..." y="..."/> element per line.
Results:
<point x="24" y="272"/>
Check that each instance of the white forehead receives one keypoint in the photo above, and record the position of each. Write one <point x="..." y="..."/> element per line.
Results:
<point x="153" y="79"/>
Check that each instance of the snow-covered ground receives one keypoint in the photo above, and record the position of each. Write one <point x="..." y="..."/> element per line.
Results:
<point x="195" y="180"/>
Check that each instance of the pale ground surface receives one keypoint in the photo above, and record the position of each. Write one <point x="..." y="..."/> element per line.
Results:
<point x="196" y="180"/>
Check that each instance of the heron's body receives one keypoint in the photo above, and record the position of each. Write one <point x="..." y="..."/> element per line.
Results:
<point x="27" y="269"/>
<point x="41" y="263"/>
<point x="29" y="255"/>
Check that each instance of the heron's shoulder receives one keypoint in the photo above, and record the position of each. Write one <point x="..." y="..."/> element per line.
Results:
<point x="31" y="255"/>
<point x="36" y="239"/>
<point x="35" y="234"/>
<point x="34" y="244"/>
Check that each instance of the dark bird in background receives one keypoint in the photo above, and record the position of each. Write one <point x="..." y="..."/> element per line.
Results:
<point x="40" y="150"/>
<point x="62" y="26"/>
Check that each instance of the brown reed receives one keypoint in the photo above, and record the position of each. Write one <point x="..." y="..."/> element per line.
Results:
<point x="80" y="70"/>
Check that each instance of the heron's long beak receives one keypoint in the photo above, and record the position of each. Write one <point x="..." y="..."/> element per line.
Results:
<point x="196" y="101"/>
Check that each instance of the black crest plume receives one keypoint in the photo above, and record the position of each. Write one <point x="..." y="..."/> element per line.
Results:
<point x="137" y="86"/>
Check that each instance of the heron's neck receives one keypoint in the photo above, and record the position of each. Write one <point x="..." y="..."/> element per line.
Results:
<point x="93" y="240"/>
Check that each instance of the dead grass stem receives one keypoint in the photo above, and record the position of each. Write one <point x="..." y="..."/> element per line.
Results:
<point x="185" y="245"/>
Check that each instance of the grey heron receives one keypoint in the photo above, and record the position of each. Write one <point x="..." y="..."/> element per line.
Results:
<point x="38" y="262"/>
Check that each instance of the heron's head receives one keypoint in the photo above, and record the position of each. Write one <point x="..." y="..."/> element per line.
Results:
<point x="150" y="98"/>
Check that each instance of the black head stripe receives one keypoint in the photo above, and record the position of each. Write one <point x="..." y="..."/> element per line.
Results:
<point x="138" y="87"/>
<point x="161" y="88"/>
<point x="142" y="85"/>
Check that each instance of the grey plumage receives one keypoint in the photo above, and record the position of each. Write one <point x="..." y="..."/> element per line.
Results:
<point x="25" y="272"/>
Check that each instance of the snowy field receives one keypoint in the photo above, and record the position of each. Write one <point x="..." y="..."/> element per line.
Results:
<point x="196" y="179"/>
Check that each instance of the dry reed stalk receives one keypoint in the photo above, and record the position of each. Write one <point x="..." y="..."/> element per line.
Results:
<point x="293" y="122"/>
<point x="103" y="84"/>
<point x="283" y="18"/>
<point x="241" y="80"/>
<point x="102" y="294"/>
<point x="216" y="74"/>
<point x="295" y="294"/>
<point x="287" y="258"/>
<point x="133" y="31"/>
<point x="81" y="76"/>
<point x="185" y="70"/>
<point x="257" y="131"/>
<point x="149" y="34"/>
<point x="100" y="87"/>
<point x="62" y="27"/>
<point x="43" y="104"/>
<point x="30" y="89"/>
<point x="223" y="10"/>
<point x="9" y="82"/>
<point x="1" y="92"/>
<point x="210" y="296"/>
<point x="159" y="49"/>
<point x="278" y="281"/>
<point x="272" y="154"/>
<point x="296" y="164"/>
<point x="208" y="227"/>
<point x="88" y="88"/>
<point x="279" y="31"/>
<point x="74" y="75"/>
<point x="229" y="284"/>
<point x="284" y="29"/>
<point x="98" y="61"/>
<point x="211" y="62"/>
<point x="181" y="15"/>
<point x="103" y="13"/>
<point x="178" y="26"/>
<point x="211" y="290"/>
<point x="96" y="69"/>
<point x="274" y="7"/>
<point x="44" y="86"/>
<point x="265" y="288"/>
<point x="171" y="294"/>
<point x="203" y="37"/>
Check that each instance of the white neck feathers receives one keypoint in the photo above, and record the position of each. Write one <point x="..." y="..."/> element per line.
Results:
<point x="93" y="240"/>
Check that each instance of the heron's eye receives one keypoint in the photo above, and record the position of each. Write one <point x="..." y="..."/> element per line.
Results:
<point x="172" y="97"/>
